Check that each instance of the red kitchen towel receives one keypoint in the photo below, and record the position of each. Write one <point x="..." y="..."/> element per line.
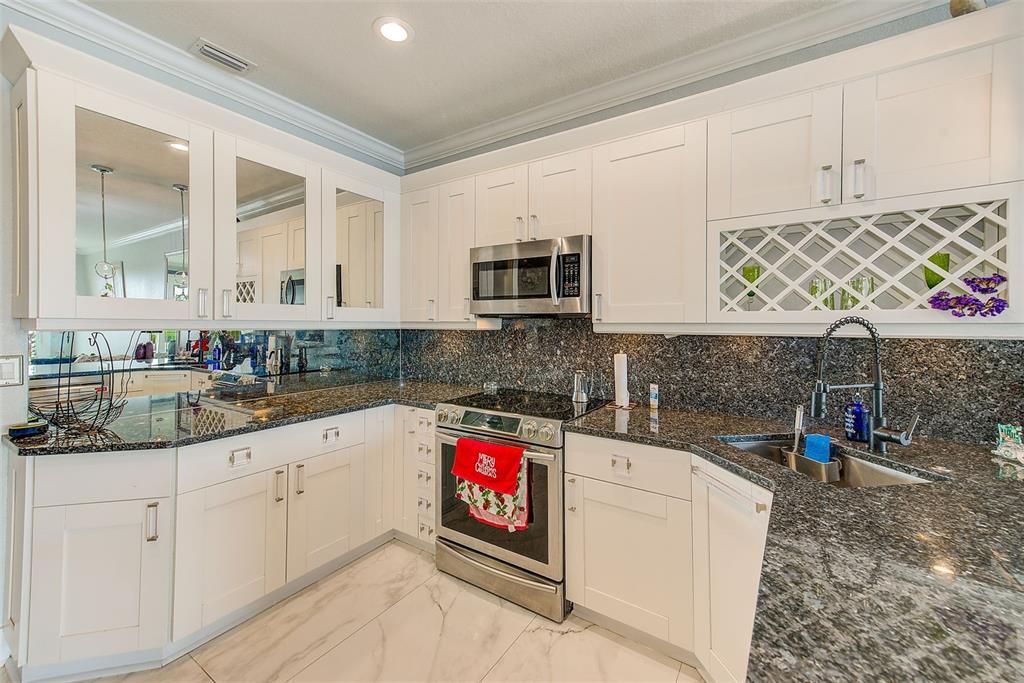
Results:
<point x="490" y="465"/>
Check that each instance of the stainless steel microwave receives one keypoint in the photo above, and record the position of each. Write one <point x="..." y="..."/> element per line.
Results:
<point x="533" y="278"/>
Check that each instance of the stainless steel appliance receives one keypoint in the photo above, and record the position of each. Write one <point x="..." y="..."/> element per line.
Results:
<point x="526" y="567"/>
<point x="533" y="278"/>
<point x="293" y="286"/>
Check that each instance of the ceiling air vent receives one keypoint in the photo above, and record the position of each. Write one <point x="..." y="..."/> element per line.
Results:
<point x="219" y="55"/>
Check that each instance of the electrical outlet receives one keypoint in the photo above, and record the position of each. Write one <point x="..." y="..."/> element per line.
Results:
<point x="11" y="370"/>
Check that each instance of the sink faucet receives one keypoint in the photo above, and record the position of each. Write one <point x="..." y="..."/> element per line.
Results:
<point x="878" y="432"/>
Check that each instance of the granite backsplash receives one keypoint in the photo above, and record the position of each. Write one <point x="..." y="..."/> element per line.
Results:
<point x="961" y="388"/>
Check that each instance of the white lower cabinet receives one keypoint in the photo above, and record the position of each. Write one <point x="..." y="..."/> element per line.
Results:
<point x="730" y="522"/>
<point x="231" y="540"/>
<point x="628" y="557"/>
<point x="325" y="508"/>
<point x="666" y="547"/>
<point x="415" y="491"/>
<point x="101" y="577"/>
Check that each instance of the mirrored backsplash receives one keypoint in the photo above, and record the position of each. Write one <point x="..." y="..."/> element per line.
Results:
<point x="363" y="355"/>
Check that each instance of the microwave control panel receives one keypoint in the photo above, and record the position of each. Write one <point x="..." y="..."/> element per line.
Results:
<point x="570" y="275"/>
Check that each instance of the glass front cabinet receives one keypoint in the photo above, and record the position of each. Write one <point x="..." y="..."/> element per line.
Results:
<point x="128" y="212"/>
<point x="114" y="206"/>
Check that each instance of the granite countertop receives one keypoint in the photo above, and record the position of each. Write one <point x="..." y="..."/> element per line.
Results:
<point x="898" y="583"/>
<point x="172" y="420"/>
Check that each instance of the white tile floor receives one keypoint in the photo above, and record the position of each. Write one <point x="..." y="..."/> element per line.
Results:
<point x="391" y="616"/>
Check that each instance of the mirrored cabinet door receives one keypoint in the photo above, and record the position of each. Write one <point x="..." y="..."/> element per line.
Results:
<point x="267" y="237"/>
<point x="127" y="193"/>
<point x="355" y="249"/>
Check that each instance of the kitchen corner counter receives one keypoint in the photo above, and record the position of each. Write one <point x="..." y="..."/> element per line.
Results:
<point x="913" y="582"/>
<point x="296" y="401"/>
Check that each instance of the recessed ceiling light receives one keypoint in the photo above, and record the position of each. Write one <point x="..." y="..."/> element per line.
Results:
<point x="395" y="30"/>
<point x="178" y="145"/>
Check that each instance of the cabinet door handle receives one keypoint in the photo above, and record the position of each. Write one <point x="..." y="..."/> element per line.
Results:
<point x="225" y="303"/>
<point x="202" y="293"/>
<point x="466" y="315"/>
<point x="519" y="227"/>
<point x="152" y="522"/>
<point x="330" y="308"/>
<point x="572" y="480"/>
<point x="534" y="221"/>
<point x="278" y="489"/>
<point x="300" y="479"/>
<point x="825" y="184"/>
<point x="431" y="309"/>
<point x="572" y="508"/>
<point x="598" y="299"/>
<point x="240" y="457"/>
<point x="858" y="178"/>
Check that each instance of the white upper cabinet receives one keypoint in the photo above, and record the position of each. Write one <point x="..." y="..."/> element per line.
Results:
<point x="649" y="227"/>
<point x="456" y="236"/>
<point x="944" y="124"/>
<point x="560" y="191"/>
<point x="360" y="241"/>
<point x="783" y="154"/>
<point x="262" y="189"/>
<point x="117" y="204"/>
<point x="419" y="255"/>
<point x="502" y="206"/>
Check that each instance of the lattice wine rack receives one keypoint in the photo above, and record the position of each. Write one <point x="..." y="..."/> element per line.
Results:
<point x="885" y="261"/>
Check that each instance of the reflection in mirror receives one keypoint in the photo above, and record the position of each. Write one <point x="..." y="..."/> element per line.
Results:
<point x="131" y="209"/>
<point x="271" y="247"/>
<point x="359" y="268"/>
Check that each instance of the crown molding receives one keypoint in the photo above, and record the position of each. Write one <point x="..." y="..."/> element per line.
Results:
<point x="108" y="33"/>
<point x="801" y="32"/>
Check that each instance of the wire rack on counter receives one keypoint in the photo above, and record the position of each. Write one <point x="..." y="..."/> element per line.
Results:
<point x="85" y="408"/>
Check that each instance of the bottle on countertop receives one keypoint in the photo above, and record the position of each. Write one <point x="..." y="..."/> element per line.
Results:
<point x="856" y="419"/>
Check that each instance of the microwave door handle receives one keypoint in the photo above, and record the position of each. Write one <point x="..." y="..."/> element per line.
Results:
<point x="553" y="274"/>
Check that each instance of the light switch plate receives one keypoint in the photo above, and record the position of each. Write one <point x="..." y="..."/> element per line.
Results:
<point x="11" y="371"/>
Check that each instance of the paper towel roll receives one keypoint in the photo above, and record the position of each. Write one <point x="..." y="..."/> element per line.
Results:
<point x="621" y="381"/>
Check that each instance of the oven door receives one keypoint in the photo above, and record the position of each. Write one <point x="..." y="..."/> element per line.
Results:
<point x="538" y="277"/>
<point x="539" y="547"/>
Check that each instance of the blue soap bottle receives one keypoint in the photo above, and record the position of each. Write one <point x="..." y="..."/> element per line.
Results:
<point x="855" y="420"/>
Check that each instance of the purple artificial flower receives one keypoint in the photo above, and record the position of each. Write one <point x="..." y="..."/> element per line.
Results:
<point x="985" y="285"/>
<point x="994" y="306"/>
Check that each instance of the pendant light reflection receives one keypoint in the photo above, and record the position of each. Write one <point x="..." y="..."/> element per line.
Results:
<point x="104" y="268"/>
<point x="181" y="277"/>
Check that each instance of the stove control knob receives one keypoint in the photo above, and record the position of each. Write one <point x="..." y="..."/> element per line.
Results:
<point x="453" y="417"/>
<point x="442" y="416"/>
<point x="530" y="429"/>
<point x="546" y="432"/>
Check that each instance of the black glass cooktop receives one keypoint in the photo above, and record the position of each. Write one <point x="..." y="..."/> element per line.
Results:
<point x="529" y="404"/>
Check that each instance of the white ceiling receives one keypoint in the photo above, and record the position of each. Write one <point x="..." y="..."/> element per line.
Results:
<point x="471" y="64"/>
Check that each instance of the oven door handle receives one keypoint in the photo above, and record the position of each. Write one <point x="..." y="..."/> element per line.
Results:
<point x="529" y="455"/>
<point x="556" y="300"/>
<point x="505" y="575"/>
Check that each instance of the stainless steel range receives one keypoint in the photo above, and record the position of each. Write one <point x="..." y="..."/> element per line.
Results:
<point x="527" y="566"/>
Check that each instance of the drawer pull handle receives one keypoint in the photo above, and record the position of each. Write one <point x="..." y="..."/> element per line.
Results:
<point x="629" y="464"/>
<point x="572" y="508"/>
<point x="240" y="457"/>
<point x="761" y="507"/>
<point x="300" y="479"/>
<point x="278" y="478"/>
<point x="572" y="480"/>
<point x="152" y="533"/>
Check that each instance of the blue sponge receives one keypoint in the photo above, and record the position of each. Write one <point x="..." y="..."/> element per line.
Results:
<point x="818" y="447"/>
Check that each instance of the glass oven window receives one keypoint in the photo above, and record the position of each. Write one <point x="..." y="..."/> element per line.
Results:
<point x="531" y="542"/>
<point x="522" y="278"/>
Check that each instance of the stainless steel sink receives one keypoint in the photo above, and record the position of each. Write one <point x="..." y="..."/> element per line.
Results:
<point x="854" y="472"/>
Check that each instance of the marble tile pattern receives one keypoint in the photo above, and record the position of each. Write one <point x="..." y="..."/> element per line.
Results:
<point x="961" y="388"/>
<point x="898" y="583"/>
<point x="304" y="399"/>
<point x="390" y="616"/>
